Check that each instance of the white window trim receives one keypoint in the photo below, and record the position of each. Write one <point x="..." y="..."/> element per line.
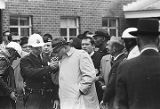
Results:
<point x="68" y="27"/>
<point x="116" y="27"/>
<point x="19" y="26"/>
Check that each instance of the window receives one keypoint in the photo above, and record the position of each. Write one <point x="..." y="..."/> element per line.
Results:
<point x="69" y="27"/>
<point x="20" y="25"/>
<point x="111" y="24"/>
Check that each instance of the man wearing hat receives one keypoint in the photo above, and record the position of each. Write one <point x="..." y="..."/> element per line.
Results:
<point x="116" y="49"/>
<point x="130" y="43"/>
<point x="138" y="78"/>
<point x="7" y="81"/>
<point x="76" y="77"/>
<point x="39" y="90"/>
<point x="101" y="37"/>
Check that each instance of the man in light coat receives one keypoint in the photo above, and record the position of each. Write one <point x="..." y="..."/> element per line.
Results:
<point x="76" y="77"/>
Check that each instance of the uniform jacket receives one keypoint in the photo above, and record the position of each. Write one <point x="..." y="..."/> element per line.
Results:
<point x="109" y="93"/>
<point x="35" y="73"/>
<point x="77" y="74"/>
<point x="138" y="82"/>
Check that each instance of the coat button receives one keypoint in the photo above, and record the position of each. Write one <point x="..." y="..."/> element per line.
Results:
<point x="44" y="77"/>
<point x="44" y="82"/>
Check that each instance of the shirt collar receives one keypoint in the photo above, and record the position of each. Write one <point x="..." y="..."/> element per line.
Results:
<point x="115" y="58"/>
<point x="91" y="54"/>
<point x="71" y="51"/>
<point x="148" y="48"/>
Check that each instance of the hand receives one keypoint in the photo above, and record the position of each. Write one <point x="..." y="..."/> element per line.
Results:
<point x="13" y="96"/>
<point x="102" y="105"/>
<point x="56" y="104"/>
<point x="54" y="64"/>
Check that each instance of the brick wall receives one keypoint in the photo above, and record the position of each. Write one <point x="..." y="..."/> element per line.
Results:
<point x="46" y="14"/>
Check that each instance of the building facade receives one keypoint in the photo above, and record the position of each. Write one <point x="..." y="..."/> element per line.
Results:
<point x="141" y="9"/>
<point x="65" y="18"/>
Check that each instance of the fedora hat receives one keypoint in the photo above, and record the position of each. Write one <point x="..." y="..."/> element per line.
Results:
<point x="147" y="27"/>
<point x="102" y="33"/>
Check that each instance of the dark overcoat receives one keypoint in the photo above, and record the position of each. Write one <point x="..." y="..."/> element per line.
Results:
<point x="40" y="91"/>
<point x="138" y="82"/>
<point x="109" y="93"/>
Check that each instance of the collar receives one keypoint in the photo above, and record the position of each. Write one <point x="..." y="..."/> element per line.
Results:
<point x="91" y="54"/>
<point x="149" y="48"/>
<point x="71" y="51"/>
<point x="115" y="58"/>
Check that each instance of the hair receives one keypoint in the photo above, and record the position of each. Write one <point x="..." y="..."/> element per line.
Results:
<point x="149" y="39"/>
<point x="46" y="37"/>
<point x="23" y="40"/>
<point x="76" y="43"/>
<point x="91" y="40"/>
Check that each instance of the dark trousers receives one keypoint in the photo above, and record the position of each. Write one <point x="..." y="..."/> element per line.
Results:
<point x="38" y="101"/>
<point x="6" y="103"/>
<point x="99" y="91"/>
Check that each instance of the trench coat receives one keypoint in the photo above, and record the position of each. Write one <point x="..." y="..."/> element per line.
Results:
<point x="76" y="81"/>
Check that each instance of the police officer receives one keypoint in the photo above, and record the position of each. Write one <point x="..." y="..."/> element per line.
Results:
<point x="39" y="90"/>
<point x="7" y="80"/>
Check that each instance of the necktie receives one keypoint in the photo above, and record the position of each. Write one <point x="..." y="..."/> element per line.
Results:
<point x="112" y="60"/>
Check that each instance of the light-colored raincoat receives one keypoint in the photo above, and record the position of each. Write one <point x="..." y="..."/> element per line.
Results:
<point x="77" y="73"/>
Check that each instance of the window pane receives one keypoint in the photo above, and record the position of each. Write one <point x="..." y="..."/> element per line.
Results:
<point x="24" y="21"/>
<point x="112" y="23"/>
<point x="24" y="31"/>
<point x="72" y="32"/>
<point x="13" y="20"/>
<point x="14" y="30"/>
<point x="63" y="31"/>
<point x="104" y="22"/>
<point x="113" y="32"/>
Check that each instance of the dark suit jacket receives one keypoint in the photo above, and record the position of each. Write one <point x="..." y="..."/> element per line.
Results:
<point x="36" y="74"/>
<point x="138" y="82"/>
<point x="109" y="93"/>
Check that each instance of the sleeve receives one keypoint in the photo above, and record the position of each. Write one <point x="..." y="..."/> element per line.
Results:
<point x="109" y="93"/>
<point x="121" y="90"/>
<point x="27" y="70"/>
<point x="4" y="86"/>
<point x="87" y="71"/>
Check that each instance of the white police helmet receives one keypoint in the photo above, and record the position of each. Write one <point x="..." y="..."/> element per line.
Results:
<point x="126" y="34"/>
<point x="15" y="46"/>
<point x="35" y="40"/>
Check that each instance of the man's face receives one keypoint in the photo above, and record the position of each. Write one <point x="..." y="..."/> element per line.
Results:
<point x="47" y="48"/>
<point x="60" y="51"/>
<point x="110" y="48"/>
<point x="99" y="40"/>
<point x="87" y="46"/>
<point x="37" y="50"/>
<point x="26" y="48"/>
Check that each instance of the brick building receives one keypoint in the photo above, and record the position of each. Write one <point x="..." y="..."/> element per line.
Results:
<point x="66" y="18"/>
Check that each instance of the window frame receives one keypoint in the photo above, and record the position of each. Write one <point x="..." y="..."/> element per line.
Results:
<point x="68" y="27"/>
<point x="19" y="26"/>
<point x="108" y="28"/>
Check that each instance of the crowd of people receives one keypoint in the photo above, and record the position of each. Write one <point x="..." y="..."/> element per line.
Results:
<point x="91" y="71"/>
